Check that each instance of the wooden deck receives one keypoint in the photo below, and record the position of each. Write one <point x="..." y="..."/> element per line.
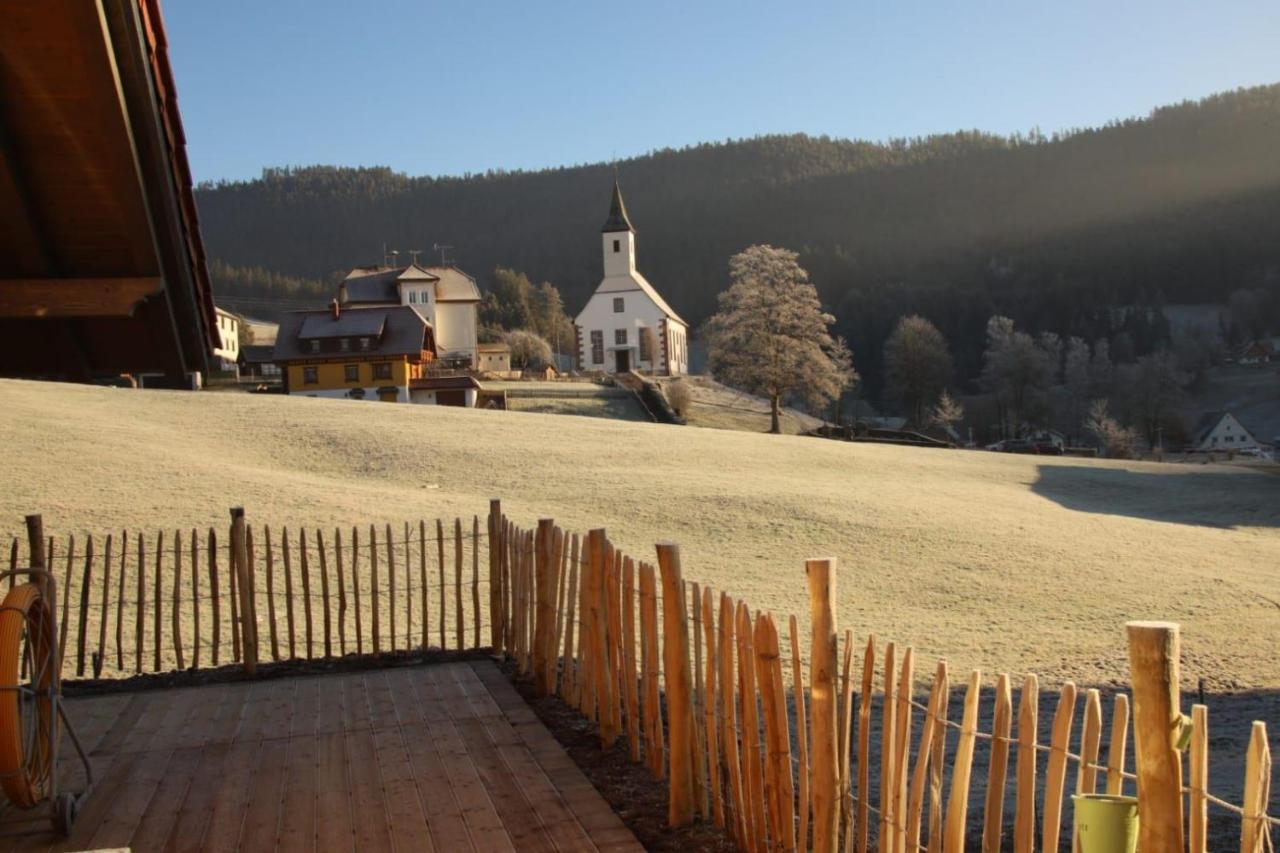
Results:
<point x="440" y="757"/>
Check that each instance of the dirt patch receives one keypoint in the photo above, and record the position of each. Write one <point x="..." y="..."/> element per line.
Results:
<point x="638" y="798"/>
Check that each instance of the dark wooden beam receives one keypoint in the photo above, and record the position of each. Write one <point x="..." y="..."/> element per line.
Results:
<point x="75" y="297"/>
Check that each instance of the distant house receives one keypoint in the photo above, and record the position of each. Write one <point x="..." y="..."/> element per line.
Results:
<point x="1222" y="431"/>
<point x="361" y="353"/>
<point x="257" y="361"/>
<point x="626" y="325"/>
<point x="1258" y="352"/>
<point x="258" y="332"/>
<point x="227" y="353"/>
<point x="445" y="296"/>
<point x="493" y="358"/>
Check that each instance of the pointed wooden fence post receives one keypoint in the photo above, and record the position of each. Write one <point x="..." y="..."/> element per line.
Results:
<point x="824" y="775"/>
<point x="677" y="677"/>
<point x="240" y="560"/>
<point x="1157" y="725"/>
<point x="495" y="576"/>
<point x="544" y="613"/>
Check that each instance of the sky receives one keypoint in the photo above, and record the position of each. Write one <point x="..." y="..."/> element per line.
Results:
<point x="447" y="88"/>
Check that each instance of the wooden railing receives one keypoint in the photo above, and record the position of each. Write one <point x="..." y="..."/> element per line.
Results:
<point x="695" y="684"/>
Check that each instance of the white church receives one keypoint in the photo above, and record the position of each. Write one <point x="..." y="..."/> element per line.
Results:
<point x="626" y="325"/>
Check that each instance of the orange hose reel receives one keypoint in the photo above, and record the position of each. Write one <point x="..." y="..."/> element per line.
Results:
<point x="26" y="631"/>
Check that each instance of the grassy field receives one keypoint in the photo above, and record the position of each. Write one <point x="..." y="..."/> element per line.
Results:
<point x="1001" y="562"/>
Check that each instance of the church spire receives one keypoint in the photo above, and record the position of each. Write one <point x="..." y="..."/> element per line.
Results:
<point x="617" y="220"/>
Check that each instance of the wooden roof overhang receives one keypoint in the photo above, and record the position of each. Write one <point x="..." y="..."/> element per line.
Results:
<point x="102" y="269"/>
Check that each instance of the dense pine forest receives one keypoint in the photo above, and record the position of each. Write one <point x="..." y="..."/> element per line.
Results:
<point x="1060" y="233"/>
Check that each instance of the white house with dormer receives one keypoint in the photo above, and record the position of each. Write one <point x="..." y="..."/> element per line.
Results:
<point x="1222" y="431"/>
<point x="446" y="297"/>
<point x="626" y="325"/>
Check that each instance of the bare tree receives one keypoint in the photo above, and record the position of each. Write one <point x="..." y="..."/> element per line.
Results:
<point x="527" y="349"/>
<point x="771" y="336"/>
<point x="917" y="366"/>
<point x="1151" y="389"/>
<point x="1116" y="440"/>
<point x="947" y="412"/>
<point x="1018" y="370"/>
<point x="1075" y="376"/>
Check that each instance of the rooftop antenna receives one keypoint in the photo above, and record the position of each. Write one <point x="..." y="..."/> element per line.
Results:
<point x="395" y="257"/>
<point x="413" y="253"/>
<point x="442" y="249"/>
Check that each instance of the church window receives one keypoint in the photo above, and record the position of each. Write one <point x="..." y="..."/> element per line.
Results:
<point x="618" y="304"/>
<point x="617" y="246"/>
<point x="620" y="337"/>
<point x="597" y="346"/>
<point x="646" y="345"/>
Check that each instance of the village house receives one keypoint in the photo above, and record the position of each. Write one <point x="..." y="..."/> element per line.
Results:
<point x="493" y="358"/>
<point x="1222" y="431"/>
<point x="445" y="296"/>
<point x="626" y="325"/>
<point x="227" y="354"/>
<point x="1261" y="351"/>
<point x="257" y="361"/>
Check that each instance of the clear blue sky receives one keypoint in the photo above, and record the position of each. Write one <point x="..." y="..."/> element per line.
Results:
<point x="450" y="87"/>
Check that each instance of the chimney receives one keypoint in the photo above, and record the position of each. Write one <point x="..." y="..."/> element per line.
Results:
<point x="334" y="309"/>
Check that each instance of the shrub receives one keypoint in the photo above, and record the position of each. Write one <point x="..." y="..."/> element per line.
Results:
<point x="679" y="396"/>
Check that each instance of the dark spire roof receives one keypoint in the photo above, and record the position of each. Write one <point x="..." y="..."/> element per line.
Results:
<point x="617" y="220"/>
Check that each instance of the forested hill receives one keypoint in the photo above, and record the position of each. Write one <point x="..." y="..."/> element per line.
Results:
<point x="1183" y="206"/>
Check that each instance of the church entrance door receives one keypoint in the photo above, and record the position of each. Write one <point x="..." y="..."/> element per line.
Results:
<point x="623" y="357"/>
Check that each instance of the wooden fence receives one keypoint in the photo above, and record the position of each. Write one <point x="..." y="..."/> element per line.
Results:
<point x="695" y="685"/>
<point x="159" y="601"/>
<point x="788" y="742"/>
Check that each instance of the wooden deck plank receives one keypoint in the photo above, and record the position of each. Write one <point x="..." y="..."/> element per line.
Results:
<point x="368" y="811"/>
<point x="298" y="810"/>
<point x="435" y="758"/>
<point x="438" y="790"/>
<point x="519" y="817"/>
<point x="406" y="818"/>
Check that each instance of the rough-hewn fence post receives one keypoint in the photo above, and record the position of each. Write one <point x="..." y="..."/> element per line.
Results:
<point x="824" y="781"/>
<point x="240" y="563"/>
<point x="1157" y="725"/>
<point x="679" y="684"/>
<point x="544" y="614"/>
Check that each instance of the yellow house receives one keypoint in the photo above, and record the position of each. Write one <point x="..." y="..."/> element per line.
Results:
<point x="359" y="353"/>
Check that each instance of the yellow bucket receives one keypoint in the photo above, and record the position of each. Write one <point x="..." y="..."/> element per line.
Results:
<point x="1106" y="823"/>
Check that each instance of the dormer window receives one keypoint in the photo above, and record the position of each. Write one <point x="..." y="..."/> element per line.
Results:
<point x="344" y="344"/>
<point x="315" y="345"/>
<point x="413" y="297"/>
<point x="617" y="246"/>
<point x="364" y="343"/>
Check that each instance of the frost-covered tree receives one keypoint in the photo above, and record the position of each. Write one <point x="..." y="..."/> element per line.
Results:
<point x="527" y="349"/>
<point x="771" y="337"/>
<point x="1075" y="376"/>
<point x="917" y="364"/>
<point x="1117" y="441"/>
<point x="1018" y="370"/>
<point x="947" y="412"/>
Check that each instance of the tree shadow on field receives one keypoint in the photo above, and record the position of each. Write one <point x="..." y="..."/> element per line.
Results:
<point x="1223" y="499"/>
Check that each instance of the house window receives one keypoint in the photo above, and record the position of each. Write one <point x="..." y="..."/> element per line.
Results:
<point x="352" y="372"/>
<point x="344" y="344"/>
<point x="617" y="246"/>
<point x="413" y="297"/>
<point x="382" y="370"/>
<point x="310" y="375"/>
<point x="315" y="345"/>
<point x="617" y="305"/>
<point x="597" y="347"/>
<point x="364" y="343"/>
<point x="620" y="337"/>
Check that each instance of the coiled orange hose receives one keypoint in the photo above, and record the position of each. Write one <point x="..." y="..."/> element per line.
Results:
<point x="25" y="777"/>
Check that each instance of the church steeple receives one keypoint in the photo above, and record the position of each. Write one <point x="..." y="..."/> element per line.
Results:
<point x="618" y="220"/>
